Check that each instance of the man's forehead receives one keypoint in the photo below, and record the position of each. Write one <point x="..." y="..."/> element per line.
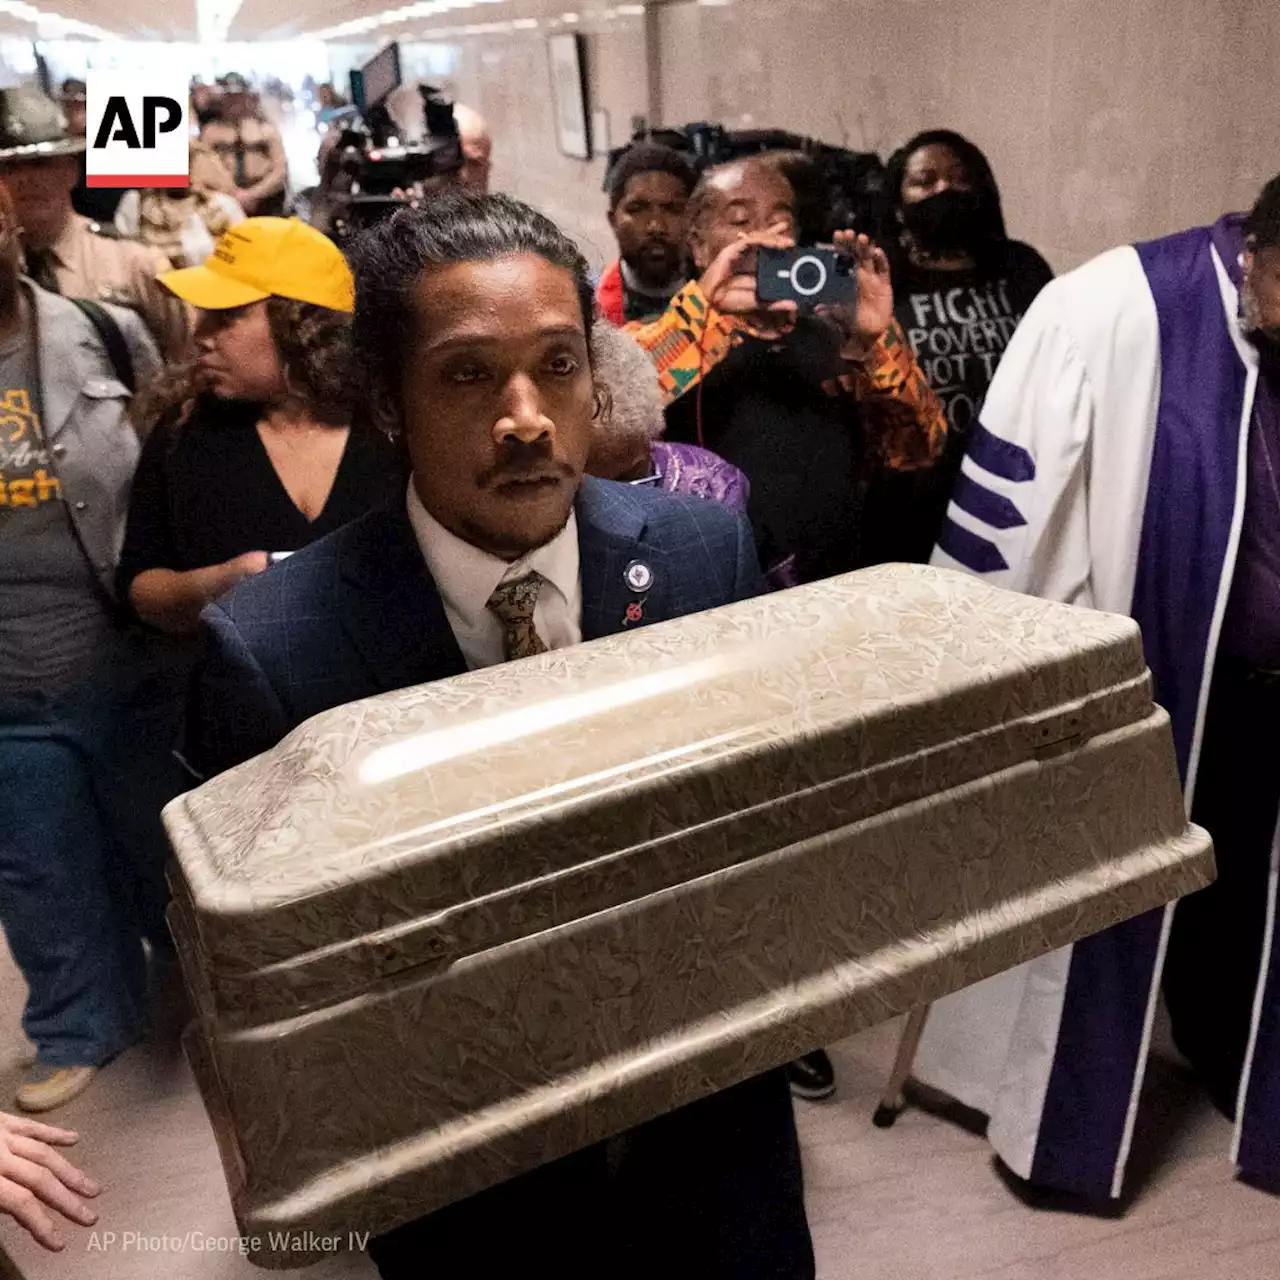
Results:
<point x="649" y="179"/>
<point x="498" y="293"/>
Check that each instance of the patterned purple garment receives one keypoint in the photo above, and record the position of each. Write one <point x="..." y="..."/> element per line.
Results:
<point x="686" y="468"/>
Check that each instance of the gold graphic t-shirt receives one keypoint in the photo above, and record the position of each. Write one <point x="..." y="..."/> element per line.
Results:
<point x="28" y="480"/>
<point x="54" y="613"/>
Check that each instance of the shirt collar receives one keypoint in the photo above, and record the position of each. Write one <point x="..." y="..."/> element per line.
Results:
<point x="466" y="576"/>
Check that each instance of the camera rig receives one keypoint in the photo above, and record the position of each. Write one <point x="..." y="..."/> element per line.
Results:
<point x="372" y="170"/>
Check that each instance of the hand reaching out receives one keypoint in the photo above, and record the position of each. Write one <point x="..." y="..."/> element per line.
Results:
<point x="35" y="1177"/>
<point x="230" y="573"/>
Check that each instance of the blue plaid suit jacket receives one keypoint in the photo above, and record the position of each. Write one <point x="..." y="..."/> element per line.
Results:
<point x="357" y="613"/>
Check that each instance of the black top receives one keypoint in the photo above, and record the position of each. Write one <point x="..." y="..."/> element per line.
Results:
<point x="775" y="412"/>
<point x="959" y="324"/>
<point x="207" y="492"/>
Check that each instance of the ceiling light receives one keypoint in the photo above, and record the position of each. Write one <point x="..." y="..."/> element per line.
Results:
<point x="391" y="17"/>
<point x="66" y="26"/>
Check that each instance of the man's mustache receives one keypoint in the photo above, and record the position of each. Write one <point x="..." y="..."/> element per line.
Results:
<point x="525" y="464"/>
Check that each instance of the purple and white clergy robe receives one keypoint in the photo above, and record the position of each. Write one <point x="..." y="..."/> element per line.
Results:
<point x="1108" y="470"/>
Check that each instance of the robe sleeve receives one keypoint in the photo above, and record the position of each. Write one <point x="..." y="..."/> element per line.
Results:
<point x="1019" y="514"/>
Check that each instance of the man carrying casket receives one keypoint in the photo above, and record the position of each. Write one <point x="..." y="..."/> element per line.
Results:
<point x="471" y="324"/>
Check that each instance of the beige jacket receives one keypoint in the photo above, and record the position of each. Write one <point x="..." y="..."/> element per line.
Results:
<point x="265" y="167"/>
<point x="91" y="264"/>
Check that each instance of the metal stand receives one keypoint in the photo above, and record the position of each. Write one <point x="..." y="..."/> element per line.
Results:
<point x="892" y="1102"/>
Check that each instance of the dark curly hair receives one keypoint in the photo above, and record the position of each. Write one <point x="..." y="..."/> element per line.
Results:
<point x="389" y="258"/>
<point x="648" y="157"/>
<point x="315" y="350"/>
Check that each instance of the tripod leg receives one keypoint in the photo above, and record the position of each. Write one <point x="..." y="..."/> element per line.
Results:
<point x="892" y="1101"/>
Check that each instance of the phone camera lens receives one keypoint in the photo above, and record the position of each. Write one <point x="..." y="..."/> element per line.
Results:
<point x="808" y="276"/>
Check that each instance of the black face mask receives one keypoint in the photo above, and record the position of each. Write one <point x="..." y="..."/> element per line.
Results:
<point x="950" y="221"/>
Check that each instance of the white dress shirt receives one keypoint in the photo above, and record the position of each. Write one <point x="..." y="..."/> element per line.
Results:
<point x="466" y="577"/>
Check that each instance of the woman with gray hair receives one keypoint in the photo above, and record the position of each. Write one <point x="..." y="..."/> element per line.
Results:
<point x="627" y="446"/>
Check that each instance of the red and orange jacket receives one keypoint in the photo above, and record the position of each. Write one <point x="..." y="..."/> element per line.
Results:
<point x="611" y="295"/>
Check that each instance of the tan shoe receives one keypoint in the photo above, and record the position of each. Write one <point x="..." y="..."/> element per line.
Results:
<point x="55" y="1089"/>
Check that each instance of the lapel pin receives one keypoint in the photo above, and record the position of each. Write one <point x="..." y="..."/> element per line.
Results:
<point x="638" y="576"/>
<point x="635" y="613"/>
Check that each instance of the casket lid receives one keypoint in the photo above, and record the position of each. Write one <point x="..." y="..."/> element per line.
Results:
<point x="392" y="811"/>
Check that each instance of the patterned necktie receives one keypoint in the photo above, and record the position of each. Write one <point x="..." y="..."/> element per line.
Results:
<point x="514" y="603"/>
<point x="41" y="269"/>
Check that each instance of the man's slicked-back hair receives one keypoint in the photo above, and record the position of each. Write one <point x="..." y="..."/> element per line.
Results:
<point x="648" y="157"/>
<point x="1263" y="225"/>
<point x="389" y="259"/>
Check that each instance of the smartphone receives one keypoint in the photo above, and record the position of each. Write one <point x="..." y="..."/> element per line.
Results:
<point x="808" y="276"/>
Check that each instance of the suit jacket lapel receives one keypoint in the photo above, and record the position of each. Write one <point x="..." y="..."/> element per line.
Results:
<point x="392" y="611"/>
<point x="610" y="538"/>
<point x="390" y="606"/>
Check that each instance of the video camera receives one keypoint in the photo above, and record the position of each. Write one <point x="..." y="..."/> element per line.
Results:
<point x="373" y="171"/>
<point x="844" y="189"/>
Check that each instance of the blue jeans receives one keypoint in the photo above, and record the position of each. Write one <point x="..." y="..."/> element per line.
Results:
<point x="83" y="777"/>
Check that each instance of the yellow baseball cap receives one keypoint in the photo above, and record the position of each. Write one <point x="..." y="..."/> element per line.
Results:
<point x="265" y="257"/>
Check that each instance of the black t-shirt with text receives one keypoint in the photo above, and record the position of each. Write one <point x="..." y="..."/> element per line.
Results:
<point x="958" y="324"/>
<point x="769" y="408"/>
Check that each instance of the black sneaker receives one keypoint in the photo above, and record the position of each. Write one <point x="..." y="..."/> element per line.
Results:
<point x="812" y="1077"/>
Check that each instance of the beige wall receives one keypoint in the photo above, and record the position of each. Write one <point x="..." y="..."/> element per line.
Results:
<point x="505" y="76"/>
<point x="1106" y="120"/>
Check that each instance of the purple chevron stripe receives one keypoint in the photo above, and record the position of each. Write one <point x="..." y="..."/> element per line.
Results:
<point x="1000" y="457"/>
<point x="991" y="508"/>
<point x="975" y="553"/>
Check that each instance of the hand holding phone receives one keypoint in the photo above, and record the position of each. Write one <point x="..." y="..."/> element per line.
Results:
<point x="730" y="283"/>
<point x="864" y="318"/>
